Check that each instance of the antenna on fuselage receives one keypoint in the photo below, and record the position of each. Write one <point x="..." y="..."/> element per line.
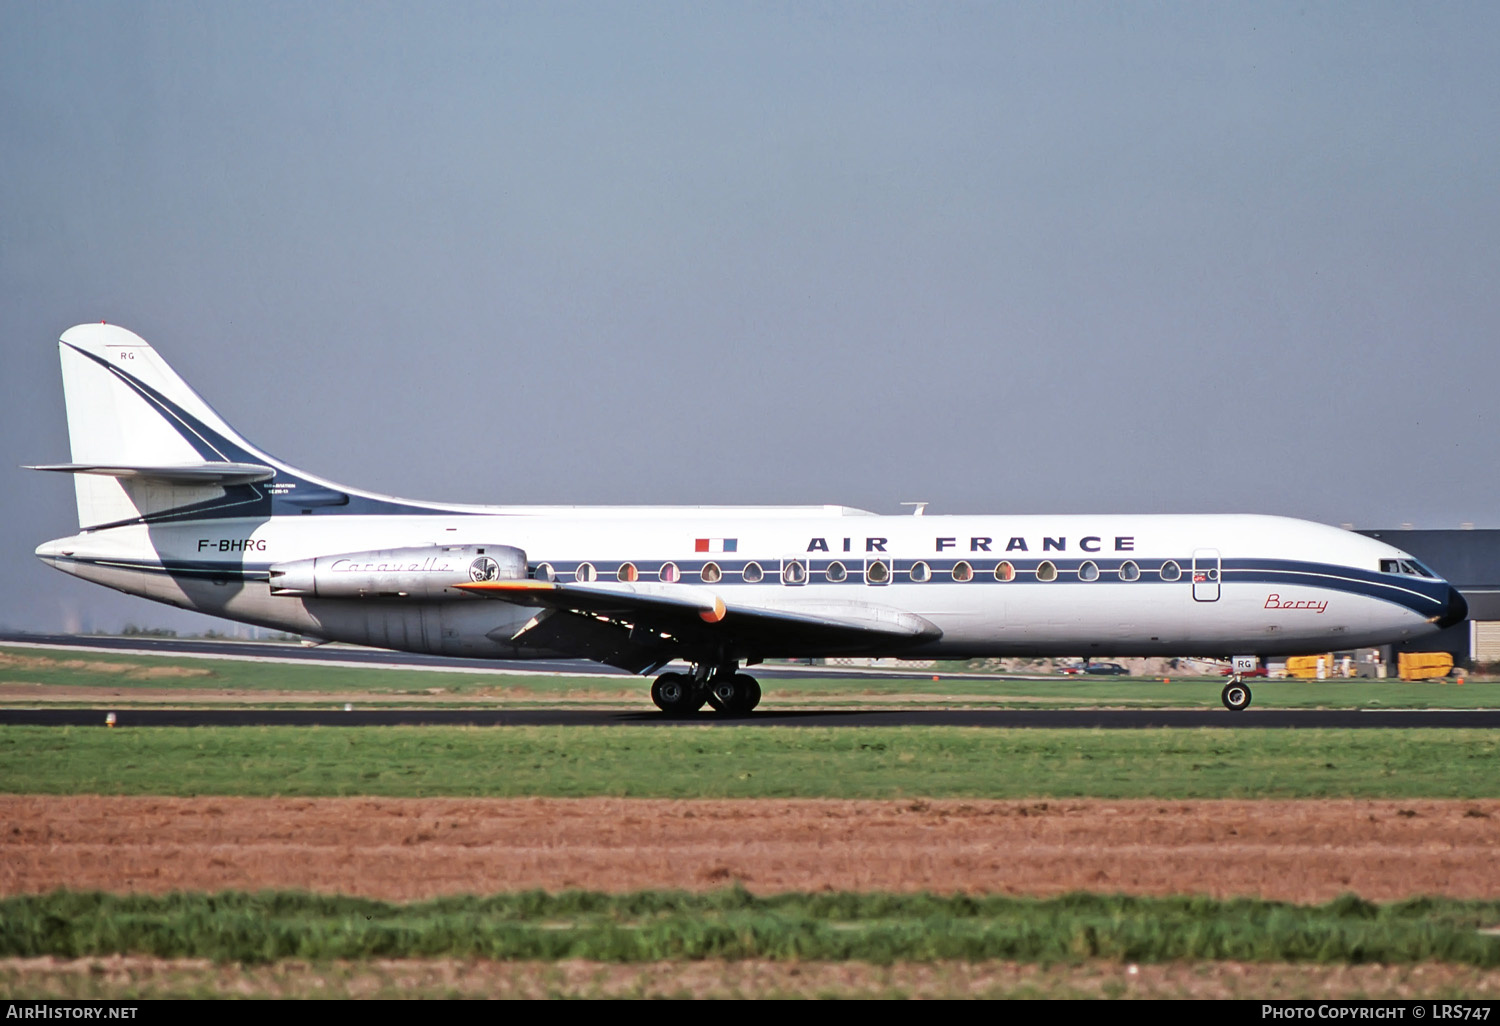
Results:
<point x="919" y="507"/>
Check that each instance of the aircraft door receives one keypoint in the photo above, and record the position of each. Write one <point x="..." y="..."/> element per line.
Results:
<point x="1206" y="575"/>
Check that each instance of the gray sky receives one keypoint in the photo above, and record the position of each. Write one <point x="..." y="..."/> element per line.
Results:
<point x="1003" y="257"/>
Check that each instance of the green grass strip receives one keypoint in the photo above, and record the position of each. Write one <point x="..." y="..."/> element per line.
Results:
<point x="717" y="762"/>
<point x="732" y="924"/>
<point x="127" y="671"/>
<point x="130" y="675"/>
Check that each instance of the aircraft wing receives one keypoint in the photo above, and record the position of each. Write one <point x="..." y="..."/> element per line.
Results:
<point x="677" y="617"/>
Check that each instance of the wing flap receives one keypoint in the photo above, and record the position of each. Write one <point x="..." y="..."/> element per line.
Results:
<point x="571" y="635"/>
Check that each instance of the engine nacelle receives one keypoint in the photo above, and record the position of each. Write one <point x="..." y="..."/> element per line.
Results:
<point x="422" y="572"/>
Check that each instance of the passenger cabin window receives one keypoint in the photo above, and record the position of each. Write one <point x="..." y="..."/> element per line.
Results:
<point x="835" y="572"/>
<point x="1170" y="571"/>
<point x="1088" y="571"/>
<point x="1005" y="572"/>
<point x="544" y="572"/>
<point x="1129" y="571"/>
<point x="711" y="573"/>
<point x="586" y="573"/>
<point x="668" y="573"/>
<point x="1046" y="571"/>
<point x="793" y="572"/>
<point x="627" y="573"/>
<point x="753" y="573"/>
<point x="921" y="572"/>
<point x="962" y="571"/>
<point x="877" y="572"/>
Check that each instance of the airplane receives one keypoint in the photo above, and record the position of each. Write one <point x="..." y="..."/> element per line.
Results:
<point x="176" y="506"/>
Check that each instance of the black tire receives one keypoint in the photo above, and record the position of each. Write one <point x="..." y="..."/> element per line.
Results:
<point x="734" y="695"/>
<point x="723" y="694"/>
<point x="1235" y="696"/>
<point x="673" y="694"/>
<point x="751" y="691"/>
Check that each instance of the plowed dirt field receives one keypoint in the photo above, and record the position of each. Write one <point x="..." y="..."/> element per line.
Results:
<point x="405" y="849"/>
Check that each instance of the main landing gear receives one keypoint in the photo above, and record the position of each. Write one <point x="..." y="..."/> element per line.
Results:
<point x="1236" y="694"/>
<point x="675" y="695"/>
<point x="726" y="691"/>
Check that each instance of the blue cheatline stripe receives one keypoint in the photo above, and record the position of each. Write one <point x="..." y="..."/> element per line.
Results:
<point x="1427" y="597"/>
<point x="179" y="568"/>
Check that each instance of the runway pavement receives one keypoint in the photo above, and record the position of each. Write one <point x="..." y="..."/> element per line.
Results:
<point x="1079" y="719"/>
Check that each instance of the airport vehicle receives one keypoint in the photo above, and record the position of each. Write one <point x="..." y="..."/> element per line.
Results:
<point x="1106" y="670"/>
<point x="176" y="506"/>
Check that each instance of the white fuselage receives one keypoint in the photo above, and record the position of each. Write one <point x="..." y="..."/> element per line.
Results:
<point x="993" y="585"/>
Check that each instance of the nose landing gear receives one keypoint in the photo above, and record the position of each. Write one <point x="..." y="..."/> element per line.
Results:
<point x="1236" y="694"/>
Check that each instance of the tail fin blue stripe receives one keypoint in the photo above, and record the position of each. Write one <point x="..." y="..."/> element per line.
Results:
<point x="212" y="445"/>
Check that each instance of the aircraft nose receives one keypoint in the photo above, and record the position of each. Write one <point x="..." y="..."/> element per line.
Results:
<point x="1455" y="610"/>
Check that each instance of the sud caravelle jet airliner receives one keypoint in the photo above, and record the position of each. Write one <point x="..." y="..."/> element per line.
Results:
<point x="174" y="505"/>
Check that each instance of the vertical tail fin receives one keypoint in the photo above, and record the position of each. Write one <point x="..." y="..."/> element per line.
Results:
<point x="143" y="442"/>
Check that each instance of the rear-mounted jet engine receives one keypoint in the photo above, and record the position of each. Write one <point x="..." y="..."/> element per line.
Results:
<point x="424" y="572"/>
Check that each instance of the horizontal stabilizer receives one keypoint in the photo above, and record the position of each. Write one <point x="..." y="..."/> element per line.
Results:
<point x="188" y="473"/>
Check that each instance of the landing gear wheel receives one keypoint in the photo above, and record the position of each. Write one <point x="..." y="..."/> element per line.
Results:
<point x="734" y="695"/>
<point x="1236" y="696"/>
<point x="751" y="688"/>
<point x="721" y="695"/>
<point x="675" y="695"/>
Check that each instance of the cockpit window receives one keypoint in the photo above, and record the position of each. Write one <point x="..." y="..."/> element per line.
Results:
<point x="1409" y="567"/>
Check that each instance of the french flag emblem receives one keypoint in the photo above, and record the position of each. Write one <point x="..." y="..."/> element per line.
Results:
<point x="716" y="545"/>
